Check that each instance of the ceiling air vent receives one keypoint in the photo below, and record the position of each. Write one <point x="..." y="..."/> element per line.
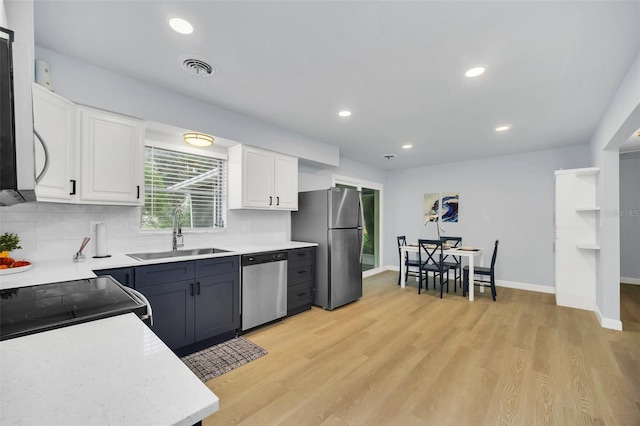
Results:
<point x="196" y="65"/>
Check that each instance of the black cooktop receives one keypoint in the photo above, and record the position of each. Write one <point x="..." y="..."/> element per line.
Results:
<point x="32" y="309"/>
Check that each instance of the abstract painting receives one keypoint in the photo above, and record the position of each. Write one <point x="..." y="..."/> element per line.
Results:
<point x="431" y="207"/>
<point x="450" y="206"/>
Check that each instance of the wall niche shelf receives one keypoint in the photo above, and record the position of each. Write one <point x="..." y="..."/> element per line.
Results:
<point x="588" y="246"/>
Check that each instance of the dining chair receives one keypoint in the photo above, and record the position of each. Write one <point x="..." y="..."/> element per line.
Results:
<point x="454" y="264"/>
<point x="483" y="272"/>
<point x="411" y="266"/>
<point x="430" y="258"/>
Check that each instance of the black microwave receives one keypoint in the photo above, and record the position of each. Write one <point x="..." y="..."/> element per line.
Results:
<point x="17" y="158"/>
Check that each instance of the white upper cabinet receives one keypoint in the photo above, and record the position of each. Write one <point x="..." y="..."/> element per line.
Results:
<point x="286" y="182"/>
<point x="54" y="120"/>
<point x="111" y="158"/>
<point x="95" y="156"/>
<point x="260" y="179"/>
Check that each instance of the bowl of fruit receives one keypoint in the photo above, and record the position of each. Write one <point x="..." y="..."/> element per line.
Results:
<point x="8" y="265"/>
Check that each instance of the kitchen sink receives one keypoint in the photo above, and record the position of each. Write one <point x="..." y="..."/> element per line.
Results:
<point x="175" y="253"/>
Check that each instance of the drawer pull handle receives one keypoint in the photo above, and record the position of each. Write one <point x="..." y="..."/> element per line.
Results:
<point x="302" y="272"/>
<point x="302" y="294"/>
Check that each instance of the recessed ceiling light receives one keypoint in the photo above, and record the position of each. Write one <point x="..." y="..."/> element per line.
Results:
<point x="344" y="113"/>
<point x="181" y="26"/>
<point x="407" y="146"/>
<point x="502" y="128"/>
<point x="474" y="72"/>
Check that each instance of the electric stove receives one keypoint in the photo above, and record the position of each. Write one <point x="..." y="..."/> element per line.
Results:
<point x="32" y="309"/>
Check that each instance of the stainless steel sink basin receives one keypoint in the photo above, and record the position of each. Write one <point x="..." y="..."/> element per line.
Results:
<point x="175" y="253"/>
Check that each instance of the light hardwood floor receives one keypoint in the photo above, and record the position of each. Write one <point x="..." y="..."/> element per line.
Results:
<point x="399" y="358"/>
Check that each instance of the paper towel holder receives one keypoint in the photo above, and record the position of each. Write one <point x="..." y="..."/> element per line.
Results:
<point x="100" y="240"/>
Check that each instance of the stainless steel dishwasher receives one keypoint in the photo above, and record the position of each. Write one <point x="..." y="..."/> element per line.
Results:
<point x="264" y="288"/>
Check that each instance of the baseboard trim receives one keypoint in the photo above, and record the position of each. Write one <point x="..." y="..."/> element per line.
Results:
<point x="373" y="271"/>
<point x="608" y="322"/>
<point x="627" y="280"/>
<point x="525" y="286"/>
<point x="499" y="283"/>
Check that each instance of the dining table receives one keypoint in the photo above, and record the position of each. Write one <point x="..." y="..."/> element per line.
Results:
<point x="471" y="253"/>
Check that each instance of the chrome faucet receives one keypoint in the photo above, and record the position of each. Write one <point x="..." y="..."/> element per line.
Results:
<point x="177" y="230"/>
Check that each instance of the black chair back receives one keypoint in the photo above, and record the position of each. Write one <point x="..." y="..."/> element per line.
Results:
<point x="432" y="250"/>
<point x="452" y="241"/>
<point x="495" y="255"/>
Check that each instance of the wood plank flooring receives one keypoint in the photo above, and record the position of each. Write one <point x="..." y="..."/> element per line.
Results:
<point x="399" y="358"/>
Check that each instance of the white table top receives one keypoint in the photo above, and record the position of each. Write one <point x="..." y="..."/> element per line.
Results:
<point x="109" y="371"/>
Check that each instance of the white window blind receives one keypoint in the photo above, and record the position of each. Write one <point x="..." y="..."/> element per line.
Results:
<point x="195" y="183"/>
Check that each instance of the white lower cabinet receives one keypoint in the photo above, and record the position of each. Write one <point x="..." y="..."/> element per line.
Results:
<point x="261" y="179"/>
<point x="95" y="156"/>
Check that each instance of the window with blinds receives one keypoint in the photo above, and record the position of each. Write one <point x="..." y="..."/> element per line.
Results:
<point x="195" y="183"/>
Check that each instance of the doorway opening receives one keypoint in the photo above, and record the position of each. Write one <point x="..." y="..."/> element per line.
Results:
<point x="372" y="212"/>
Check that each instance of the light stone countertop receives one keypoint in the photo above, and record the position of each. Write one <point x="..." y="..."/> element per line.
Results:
<point x="109" y="371"/>
<point x="48" y="271"/>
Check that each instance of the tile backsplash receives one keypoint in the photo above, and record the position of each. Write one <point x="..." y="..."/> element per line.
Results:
<point x="55" y="231"/>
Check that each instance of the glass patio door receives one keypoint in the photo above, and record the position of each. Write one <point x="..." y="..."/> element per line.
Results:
<point x="371" y="202"/>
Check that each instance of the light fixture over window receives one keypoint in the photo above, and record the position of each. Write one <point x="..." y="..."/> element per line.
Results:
<point x="198" y="139"/>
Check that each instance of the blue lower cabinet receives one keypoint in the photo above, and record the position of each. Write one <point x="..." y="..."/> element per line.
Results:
<point x="123" y="275"/>
<point x="217" y="305"/>
<point x="173" y="307"/>
<point x="192" y="301"/>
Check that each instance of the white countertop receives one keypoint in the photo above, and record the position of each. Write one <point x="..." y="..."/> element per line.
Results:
<point x="109" y="371"/>
<point x="43" y="272"/>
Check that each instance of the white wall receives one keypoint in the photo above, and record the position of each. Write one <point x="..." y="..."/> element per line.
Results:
<point x="620" y="120"/>
<point x="510" y="198"/>
<point x="311" y="177"/>
<point x="87" y="84"/>
<point x="55" y="231"/>
<point x="630" y="217"/>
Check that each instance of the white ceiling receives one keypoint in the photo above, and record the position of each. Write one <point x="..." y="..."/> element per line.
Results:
<point x="552" y="67"/>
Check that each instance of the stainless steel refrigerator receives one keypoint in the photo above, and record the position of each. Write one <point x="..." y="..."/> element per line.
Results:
<point x="333" y="219"/>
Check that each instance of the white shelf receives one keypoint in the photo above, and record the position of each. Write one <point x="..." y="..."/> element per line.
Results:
<point x="579" y="172"/>
<point x="587" y="209"/>
<point x="588" y="246"/>
<point x="587" y="171"/>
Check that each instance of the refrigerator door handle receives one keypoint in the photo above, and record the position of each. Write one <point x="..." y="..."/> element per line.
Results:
<point x="361" y="227"/>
